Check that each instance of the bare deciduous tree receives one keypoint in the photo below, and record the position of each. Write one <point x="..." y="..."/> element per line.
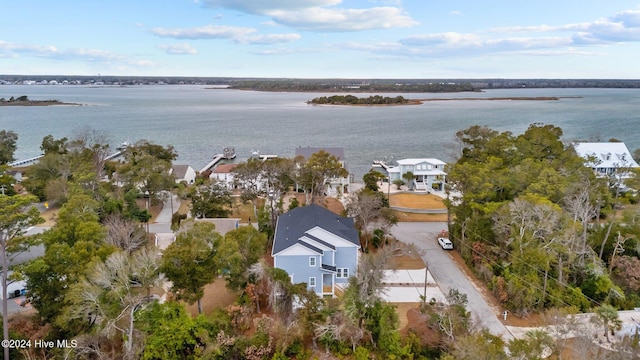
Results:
<point x="108" y="296"/>
<point x="125" y="234"/>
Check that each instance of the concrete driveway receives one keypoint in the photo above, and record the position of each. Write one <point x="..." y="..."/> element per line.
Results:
<point x="447" y="274"/>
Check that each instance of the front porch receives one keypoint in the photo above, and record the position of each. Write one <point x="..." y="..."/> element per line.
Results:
<point x="328" y="285"/>
<point x="429" y="183"/>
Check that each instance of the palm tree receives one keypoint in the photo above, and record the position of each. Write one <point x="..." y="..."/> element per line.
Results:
<point x="410" y="177"/>
<point x="607" y="316"/>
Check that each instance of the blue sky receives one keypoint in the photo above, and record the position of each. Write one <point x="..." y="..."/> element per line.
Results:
<point x="323" y="38"/>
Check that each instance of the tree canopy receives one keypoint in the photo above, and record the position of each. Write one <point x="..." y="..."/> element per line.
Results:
<point x="8" y="146"/>
<point x="522" y="206"/>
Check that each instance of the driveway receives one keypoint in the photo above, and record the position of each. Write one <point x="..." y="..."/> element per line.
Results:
<point x="447" y="274"/>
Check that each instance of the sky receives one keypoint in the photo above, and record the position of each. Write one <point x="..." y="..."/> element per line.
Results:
<point x="323" y="38"/>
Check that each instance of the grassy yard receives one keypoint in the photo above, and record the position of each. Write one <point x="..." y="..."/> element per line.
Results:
<point x="418" y="201"/>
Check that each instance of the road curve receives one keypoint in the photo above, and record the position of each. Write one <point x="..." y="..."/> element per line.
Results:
<point x="447" y="274"/>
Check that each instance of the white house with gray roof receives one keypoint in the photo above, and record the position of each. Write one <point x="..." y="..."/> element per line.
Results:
<point x="183" y="173"/>
<point x="606" y="158"/>
<point x="317" y="247"/>
<point x="428" y="173"/>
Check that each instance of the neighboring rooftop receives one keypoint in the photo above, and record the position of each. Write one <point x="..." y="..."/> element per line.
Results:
<point x="179" y="171"/>
<point x="306" y="152"/>
<point x="413" y="161"/>
<point x="224" y="168"/>
<point x="606" y="154"/>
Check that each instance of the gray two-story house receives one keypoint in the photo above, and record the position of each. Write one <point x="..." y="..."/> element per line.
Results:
<point x="317" y="247"/>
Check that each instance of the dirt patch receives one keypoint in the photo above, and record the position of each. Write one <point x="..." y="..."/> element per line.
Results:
<point x="416" y="201"/>
<point x="216" y="295"/>
<point x="242" y="211"/>
<point x="27" y="324"/>
<point x="331" y="203"/>
<point x="416" y="322"/>
<point x="406" y="262"/>
<point x="402" y="310"/>
<point x="50" y="217"/>
<point x="154" y="209"/>
<point x="185" y="206"/>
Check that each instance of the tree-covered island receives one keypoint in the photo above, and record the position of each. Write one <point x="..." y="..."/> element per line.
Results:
<point x="353" y="100"/>
<point x="25" y="101"/>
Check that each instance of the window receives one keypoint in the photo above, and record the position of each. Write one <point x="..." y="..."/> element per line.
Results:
<point x="312" y="261"/>
<point x="312" y="282"/>
<point x="342" y="273"/>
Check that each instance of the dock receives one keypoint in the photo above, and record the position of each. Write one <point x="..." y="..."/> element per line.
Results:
<point x="228" y="153"/>
<point x="114" y="155"/>
<point x="264" y="157"/>
<point x="380" y="164"/>
<point x="25" y="162"/>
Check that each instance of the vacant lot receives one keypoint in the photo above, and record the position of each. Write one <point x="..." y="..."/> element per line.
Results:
<point x="418" y="201"/>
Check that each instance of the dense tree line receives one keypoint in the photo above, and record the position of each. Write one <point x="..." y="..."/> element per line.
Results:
<point x="352" y="86"/>
<point x="537" y="225"/>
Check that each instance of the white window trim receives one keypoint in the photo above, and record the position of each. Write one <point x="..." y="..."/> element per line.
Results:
<point x="312" y="279"/>
<point x="341" y="273"/>
<point x="312" y="259"/>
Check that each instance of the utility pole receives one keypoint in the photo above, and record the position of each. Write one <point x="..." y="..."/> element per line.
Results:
<point x="426" y="279"/>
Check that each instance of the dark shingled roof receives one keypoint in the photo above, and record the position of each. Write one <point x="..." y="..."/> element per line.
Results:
<point x="293" y="224"/>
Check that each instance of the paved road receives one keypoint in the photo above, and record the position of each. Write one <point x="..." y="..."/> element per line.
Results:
<point x="448" y="275"/>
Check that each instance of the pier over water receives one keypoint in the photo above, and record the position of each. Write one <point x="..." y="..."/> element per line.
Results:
<point x="228" y="153"/>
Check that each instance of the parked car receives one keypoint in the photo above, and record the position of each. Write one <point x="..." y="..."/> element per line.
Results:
<point x="445" y="243"/>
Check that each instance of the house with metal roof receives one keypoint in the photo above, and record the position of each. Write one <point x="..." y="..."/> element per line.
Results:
<point x="606" y="158"/>
<point x="183" y="173"/>
<point x="428" y="173"/>
<point x="317" y="247"/>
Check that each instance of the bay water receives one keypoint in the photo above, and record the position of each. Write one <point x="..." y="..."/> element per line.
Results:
<point x="200" y="121"/>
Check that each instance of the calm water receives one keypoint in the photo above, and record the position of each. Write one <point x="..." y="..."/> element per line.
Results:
<point x="200" y="122"/>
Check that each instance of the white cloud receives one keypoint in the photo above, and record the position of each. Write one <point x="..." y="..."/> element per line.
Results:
<point x="204" y="32"/>
<point x="49" y="51"/>
<point x="237" y="34"/>
<point x="14" y="50"/>
<point x="621" y="27"/>
<point x="628" y="18"/>
<point x="455" y="13"/>
<point x="178" y="49"/>
<point x="271" y="39"/>
<point x="278" y="51"/>
<point x="264" y="7"/>
<point x="338" y="20"/>
<point x="531" y="40"/>
<point x="322" y="15"/>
